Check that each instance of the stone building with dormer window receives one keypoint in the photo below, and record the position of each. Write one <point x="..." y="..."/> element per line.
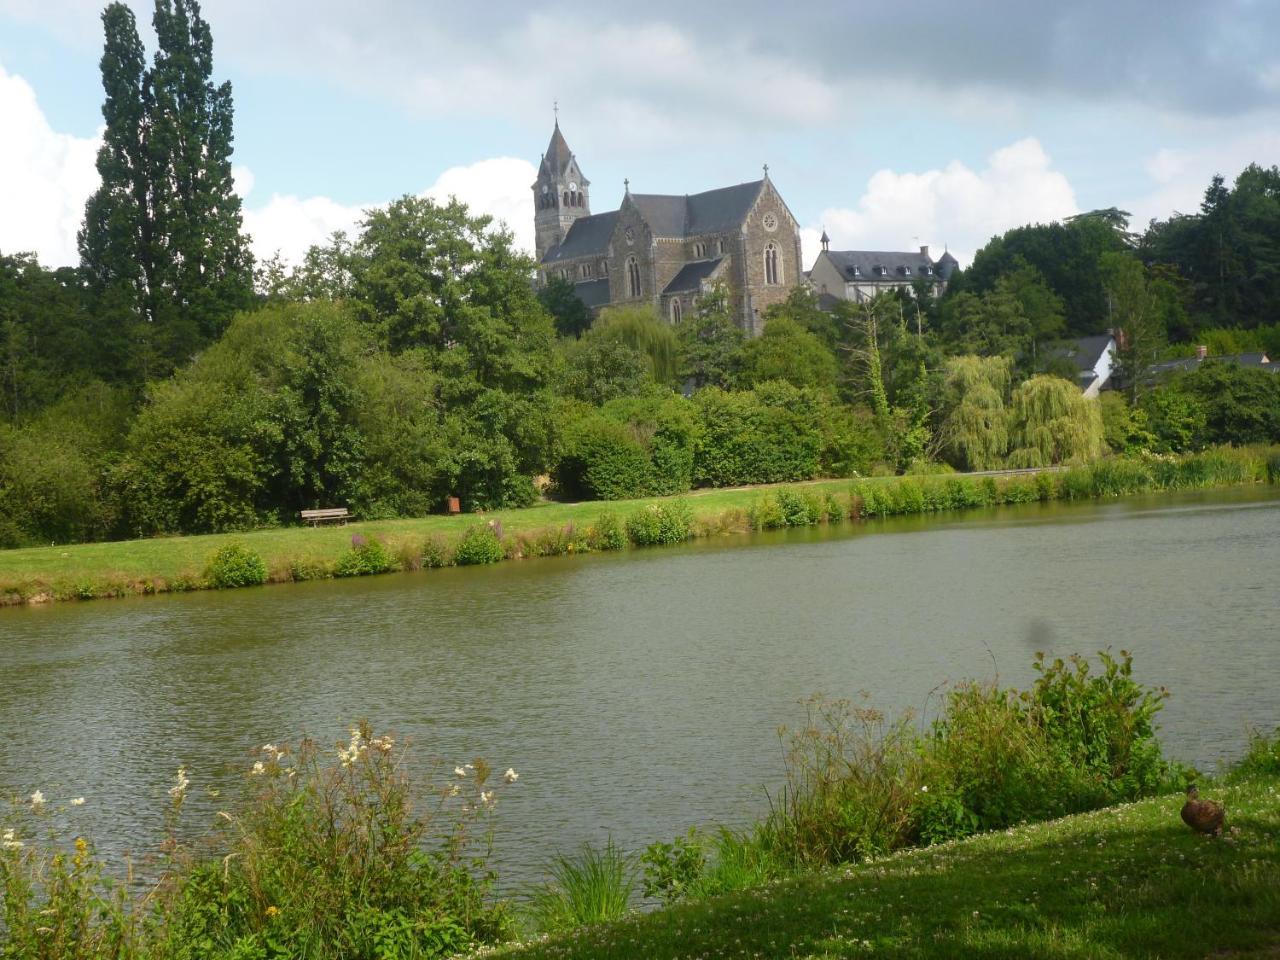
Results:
<point x="859" y="275"/>
<point x="665" y="250"/>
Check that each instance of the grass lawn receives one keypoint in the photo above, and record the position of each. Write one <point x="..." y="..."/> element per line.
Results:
<point x="1129" y="881"/>
<point x="170" y="557"/>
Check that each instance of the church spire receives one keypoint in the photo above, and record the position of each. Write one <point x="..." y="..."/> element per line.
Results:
<point x="560" y="194"/>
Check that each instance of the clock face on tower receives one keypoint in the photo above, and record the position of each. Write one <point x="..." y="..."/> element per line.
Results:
<point x="573" y="186"/>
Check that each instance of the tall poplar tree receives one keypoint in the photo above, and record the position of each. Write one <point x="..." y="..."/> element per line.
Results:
<point x="114" y="240"/>
<point x="204" y="271"/>
<point x="161" y="242"/>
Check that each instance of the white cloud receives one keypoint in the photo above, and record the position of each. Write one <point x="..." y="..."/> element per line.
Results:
<point x="956" y="206"/>
<point x="45" y="178"/>
<point x="1180" y="175"/>
<point x="498" y="187"/>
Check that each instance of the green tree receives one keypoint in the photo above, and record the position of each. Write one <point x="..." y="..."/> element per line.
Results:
<point x="641" y="329"/>
<point x="435" y="277"/>
<point x="115" y="240"/>
<point x="1051" y="422"/>
<point x="570" y="314"/>
<point x="1067" y="255"/>
<point x="787" y="351"/>
<point x="600" y="369"/>
<point x="976" y="428"/>
<point x="161" y="241"/>
<point x="1138" y="309"/>
<point x="711" y="342"/>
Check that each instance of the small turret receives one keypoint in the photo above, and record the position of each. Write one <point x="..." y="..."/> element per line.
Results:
<point x="826" y="241"/>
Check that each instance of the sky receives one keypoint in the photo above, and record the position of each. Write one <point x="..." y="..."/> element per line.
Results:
<point x="891" y="126"/>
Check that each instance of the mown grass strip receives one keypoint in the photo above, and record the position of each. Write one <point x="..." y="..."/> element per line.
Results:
<point x="99" y="570"/>
<point x="1127" y="881"/>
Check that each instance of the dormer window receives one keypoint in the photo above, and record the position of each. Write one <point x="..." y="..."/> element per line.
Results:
<point x="927" y="271"/>
<point x="906" y="271"/>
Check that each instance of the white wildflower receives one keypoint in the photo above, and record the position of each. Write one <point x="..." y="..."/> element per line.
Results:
<point x="488" y="799"/>
<point x="181" y="782"/>
<point x="510" y="776"/>
<point x="259" y="767"/>
<point x="78" y="802"/>
<point x="37" y="800"/>
<point x="454" y="790"/>
<point x="459" y="771"/>
<point x="11" y="841"/>
<point x="268" y="748"/>
<point x="925" y="788"/>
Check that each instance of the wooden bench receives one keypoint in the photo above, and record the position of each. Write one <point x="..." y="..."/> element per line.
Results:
<point x="327" y="515"/>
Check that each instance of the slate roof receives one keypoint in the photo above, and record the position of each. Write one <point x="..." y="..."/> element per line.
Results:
<point x="947" y="265"/>
<point x="1259" y="360"/>
<point x="593" y="293"/>
<point x="667" y="215"/>
<point x="587" y="237"/>
<point x="712" y="211"/>
<point x="1085" y="352"/>
<point x="866" y="261"/>
<point x="691" y="275"/>
<point x="558" y="153"/>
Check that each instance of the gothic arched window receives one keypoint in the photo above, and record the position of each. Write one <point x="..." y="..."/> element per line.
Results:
<point x="566" y="198"/>
<point x="772" y="269"/>
<point x="676" y="310"/>
<point x="633" y="276"/>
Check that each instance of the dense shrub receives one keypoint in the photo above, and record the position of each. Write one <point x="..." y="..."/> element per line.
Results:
<point x="660" y="523"/>
<point x="766" y="514"/>
<point x="479" y="545"/>
<point x="605" y="460"/>
<point x="768" y="435"/>
<point x="607" y="533"/>
<point x="436" y="552"/>
<point x="364" y="559"/>
<point x="859" y="784"/>
<point x="235" y="565"/>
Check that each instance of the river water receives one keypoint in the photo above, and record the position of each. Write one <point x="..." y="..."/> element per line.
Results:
<point x="639" y="693"/>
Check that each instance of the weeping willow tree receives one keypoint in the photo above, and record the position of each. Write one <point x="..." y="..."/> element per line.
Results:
<point x="641" y="329"/>
<point x="976" y="432"/>
<point x="1052" y="422"/>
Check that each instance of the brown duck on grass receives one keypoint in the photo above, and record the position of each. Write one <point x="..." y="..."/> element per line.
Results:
<point x="1203" y="816"/>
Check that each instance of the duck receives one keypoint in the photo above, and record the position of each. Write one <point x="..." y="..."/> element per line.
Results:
<point x="1203" y="816"/>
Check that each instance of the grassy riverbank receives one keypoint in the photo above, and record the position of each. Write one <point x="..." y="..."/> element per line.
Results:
<point x="1126" y="881"/>
<point x="97" y="570"/>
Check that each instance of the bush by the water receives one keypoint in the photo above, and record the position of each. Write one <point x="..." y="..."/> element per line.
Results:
<point x="479" y="545"/>
<point x="660" y="524"/>
<point x="235" y="565"/>
<point x="607" y="533"/>
<point x="860" y="784"/>
<point x="365" y="558"/>
<point x="329" y="855"/>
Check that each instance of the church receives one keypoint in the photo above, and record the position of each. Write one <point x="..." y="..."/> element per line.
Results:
<point x="664" y="250"/>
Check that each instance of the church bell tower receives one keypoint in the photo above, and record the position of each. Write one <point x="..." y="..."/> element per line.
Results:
<point x="560" y="194"/>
